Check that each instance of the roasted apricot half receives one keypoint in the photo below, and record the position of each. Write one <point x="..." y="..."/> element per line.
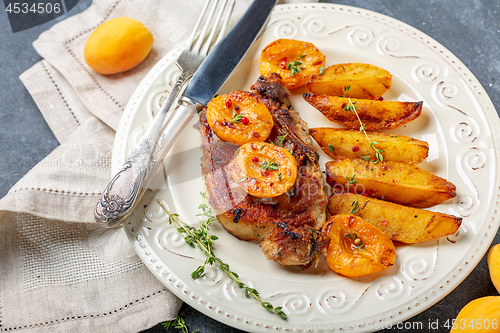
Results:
<point x="356" y="247"/>
<point x="263" y="169"/>
<point x="239" y="117"/>
<point x="294" y="60"/>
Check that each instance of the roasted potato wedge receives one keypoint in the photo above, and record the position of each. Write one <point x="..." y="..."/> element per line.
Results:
<point x="356" y="247"/>
<point x="338" y="142"/>
<point x="294" y="60"/>
<point x="400" y="223"/>
<point x="239" y="117"/>
<point x="375" y="115"/>
<point x="401" y="183"/>
<point x="351" y="80"/>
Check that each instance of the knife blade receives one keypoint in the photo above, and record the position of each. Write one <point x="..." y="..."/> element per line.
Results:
<point x="227" y="54"/>
<point x="211" y="75"/>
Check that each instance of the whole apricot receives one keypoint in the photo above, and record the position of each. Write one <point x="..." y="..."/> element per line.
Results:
<point x="118" y="45"/>
<point x="480" y="315"/>
<point x="494" y="265"/>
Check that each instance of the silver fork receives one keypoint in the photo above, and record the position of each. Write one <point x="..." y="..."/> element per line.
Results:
<point x="129" y="184"/>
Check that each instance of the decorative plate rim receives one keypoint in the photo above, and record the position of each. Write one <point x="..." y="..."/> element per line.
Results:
<point x="410" y="308"/>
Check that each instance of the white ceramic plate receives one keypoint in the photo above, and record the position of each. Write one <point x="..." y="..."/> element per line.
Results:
<point x="458" y="120"/>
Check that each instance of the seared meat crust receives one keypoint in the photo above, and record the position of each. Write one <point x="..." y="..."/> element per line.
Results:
<point x="287" y="227"/>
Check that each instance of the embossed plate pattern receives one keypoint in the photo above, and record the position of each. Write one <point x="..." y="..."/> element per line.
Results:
<point x="458" y="120"/>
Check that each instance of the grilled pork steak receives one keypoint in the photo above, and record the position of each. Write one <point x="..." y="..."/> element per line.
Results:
<point x="287" y="227"/>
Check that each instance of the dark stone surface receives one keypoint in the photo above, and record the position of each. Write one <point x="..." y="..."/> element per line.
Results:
<point x="469" y="29"/>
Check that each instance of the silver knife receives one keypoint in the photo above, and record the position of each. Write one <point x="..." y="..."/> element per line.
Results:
<point x="118" y="200"/>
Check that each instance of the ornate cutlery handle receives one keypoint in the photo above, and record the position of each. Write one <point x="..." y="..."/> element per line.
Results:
<point x="129" y="184"/>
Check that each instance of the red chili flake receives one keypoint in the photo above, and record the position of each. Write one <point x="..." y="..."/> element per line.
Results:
<point x="343" y="106"/>
<point x="384" y="222"/>
<point x="255" y="159"/>
<point x="228" y="103"/>
<point x="283" y="63"/>
<point x="244" y="120"/>
<point x="380" y="98"/>
<point x="394" y="180"/>
<point x="264" y="173"/>
<point x="355" y="149"/>
<point x="371" y="193"/>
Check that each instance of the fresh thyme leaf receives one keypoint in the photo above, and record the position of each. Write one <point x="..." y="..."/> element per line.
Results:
<point x="302" y="55"/>
<point x="237" y="117"/>
<point x="358" y="243"/>
<point x="352" y="236"/>
<point x="242" y="179"/>
<point x="200" y="238"/>
<point x="330" y="147"/>
<point x="351" y="180"/>
<point x="178" y="323"/>
<point x="321" y="71"/>
<point x="355" y="206"/>
<point x="352" y="107"/>
<point x="366" y="158"/>
<point x="270" y="165"/>
<point x="281" y="138"/>
<point x="346" y="89"/>
<point x="293" y="66"/>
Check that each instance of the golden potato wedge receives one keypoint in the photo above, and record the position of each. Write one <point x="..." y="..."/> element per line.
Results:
<point x="337" y="142"/>
<point x="356" y="247"/>
<point x="351" y="80"/>
<point x="375" y="115"/>
<point x="400" y="223"/>
<point x="401" y="183"/>
<point x="294" y="60"/>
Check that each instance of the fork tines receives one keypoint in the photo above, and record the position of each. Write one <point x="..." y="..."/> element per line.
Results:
<point x="206" y="27"/>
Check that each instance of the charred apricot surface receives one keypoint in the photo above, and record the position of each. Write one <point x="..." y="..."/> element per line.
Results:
<point x="294" y="60"/>
<point x="239" y="117"/>
<point x="263" y="170"/>
<point x="356" y="247"/>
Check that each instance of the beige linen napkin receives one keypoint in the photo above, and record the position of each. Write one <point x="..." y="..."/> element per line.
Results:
<point x="60" y="272"/>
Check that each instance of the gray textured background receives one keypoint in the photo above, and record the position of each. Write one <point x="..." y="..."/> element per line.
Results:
<point x="469" y="29"/>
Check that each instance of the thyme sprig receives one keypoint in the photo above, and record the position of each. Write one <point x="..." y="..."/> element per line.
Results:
<point x="357" y="242"/>
<point x="351" y="180"/>
<point x="178" y="323"/>
<point x="293" y="66"/>
<point x="350" y="106"/>
<point x="199" y="237"/>
<point x="355" y="206"/>
<point x="270" y="165"/>
<point x="281" y="138"/>
<point x="237" y="118"/>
